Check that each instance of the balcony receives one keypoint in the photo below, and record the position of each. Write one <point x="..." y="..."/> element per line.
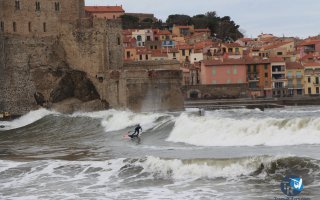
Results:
<point x="253" y="78"/>
<point x="295" y="86"/>
<point x="278" y="69"/>
<point x="279" y="78"/>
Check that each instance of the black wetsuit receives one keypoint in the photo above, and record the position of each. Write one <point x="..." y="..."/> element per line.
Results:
<point x="136" y="132"/>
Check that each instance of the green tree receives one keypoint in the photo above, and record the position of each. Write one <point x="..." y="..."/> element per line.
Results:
<point x="129" y="22"/>
<point x="181" y="20"/>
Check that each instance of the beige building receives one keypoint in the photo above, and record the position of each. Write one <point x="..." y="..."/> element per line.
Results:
<point x="295" y="75"/>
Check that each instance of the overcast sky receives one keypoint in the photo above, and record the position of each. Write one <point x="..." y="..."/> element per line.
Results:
<point x="281" y="17"/>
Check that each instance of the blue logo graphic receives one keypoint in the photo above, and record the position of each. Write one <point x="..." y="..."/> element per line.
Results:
<point x="291" y="185"/>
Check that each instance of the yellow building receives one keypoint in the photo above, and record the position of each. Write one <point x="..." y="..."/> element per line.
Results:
<point x="311" y="78"/>
<point x="179" y="31"/>
<point x="185" y="52"/>
<point x="130" y="53"/>
<point x="295" y="75"/>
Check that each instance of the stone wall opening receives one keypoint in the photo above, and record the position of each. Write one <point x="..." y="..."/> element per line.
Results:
<point x="14" y="27"/>
<point x="2" y="26"/>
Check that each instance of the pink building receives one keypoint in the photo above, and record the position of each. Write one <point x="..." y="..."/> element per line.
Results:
<point x="228" y="71"/>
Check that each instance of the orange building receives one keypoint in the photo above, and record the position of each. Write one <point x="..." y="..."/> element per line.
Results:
<point x="259" y="77"/>
<point x="104" y="12"/>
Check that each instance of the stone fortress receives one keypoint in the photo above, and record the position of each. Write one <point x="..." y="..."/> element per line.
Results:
<point x="54" y="56"/>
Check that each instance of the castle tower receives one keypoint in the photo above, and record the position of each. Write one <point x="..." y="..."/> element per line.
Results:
<point x="35" y="17"/>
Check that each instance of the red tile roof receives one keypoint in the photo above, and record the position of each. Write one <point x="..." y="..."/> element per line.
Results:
<point x="95" y="9"/>
<point x="159" y="54"/>
<point x="277" y="45"/>
<point x="294" y="65"/>
<point x="276" y="59"/>
<point x="224" y="62"/>
<point x="311" y="64"/>
<point x="184" y="46"/>
<point x="163" y="32"/>
<point x="246" y="39"/>
<point x="312" y="42"/>
<point x="231" y="45"/>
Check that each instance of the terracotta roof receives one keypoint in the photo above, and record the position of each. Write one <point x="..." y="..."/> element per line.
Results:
<point x="246" y="39"/>
<point x="129" y="39"/>
<point x="163" y="32"/>
<point x="231" y="45"/>
<point x="159" y="54"/>
<point x="294" y="65"/>
<point x="312" y="42"/>
<point x="203" y="44"/>
<point x="276" y="59"/>
<point x="311" y="64"/>
<point x="103" y="9"/>
<point x="184" y="46"/>
<point x="142" y="50"/>
<point x="308" y="57"/>
<point x="172" y="50"/>
<point x="277" y="45"/>
<point x="224" y="62"/>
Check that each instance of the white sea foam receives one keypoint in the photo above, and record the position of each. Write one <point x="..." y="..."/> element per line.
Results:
<point x="120" y="177"/>
<point x="219" y="131"/>
<point x="195" y="169"/>
<point x="27" y="119"/>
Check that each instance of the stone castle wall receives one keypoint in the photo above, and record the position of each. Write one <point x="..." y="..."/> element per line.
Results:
<point x="153" y="85"/>
<point x="18" y="59"/>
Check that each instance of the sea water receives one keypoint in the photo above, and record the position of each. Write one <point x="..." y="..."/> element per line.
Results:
<point x="224" y="154"/>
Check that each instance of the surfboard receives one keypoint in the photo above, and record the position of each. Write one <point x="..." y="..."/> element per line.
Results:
<point x="126" y="136"/>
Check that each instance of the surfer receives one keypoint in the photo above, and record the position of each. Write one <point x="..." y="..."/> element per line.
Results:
<point x="136" y="132"/>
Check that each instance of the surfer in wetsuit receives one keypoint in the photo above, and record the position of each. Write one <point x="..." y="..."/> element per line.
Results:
<point x="136" y="132"/>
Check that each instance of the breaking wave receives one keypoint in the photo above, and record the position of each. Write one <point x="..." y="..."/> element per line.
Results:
<point x="218" y="131"/>
<point x="27" y="119"/>
<point x="114" y="120"/>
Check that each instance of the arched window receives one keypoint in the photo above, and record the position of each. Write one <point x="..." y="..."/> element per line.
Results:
<point x="139" y="38"/>
<point x="119" y="40"/>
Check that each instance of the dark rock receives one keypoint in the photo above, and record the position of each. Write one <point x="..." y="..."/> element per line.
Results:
<point x="39" y="98"/>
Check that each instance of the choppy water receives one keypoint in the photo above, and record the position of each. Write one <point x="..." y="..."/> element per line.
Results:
<point x="225" y="154"/>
